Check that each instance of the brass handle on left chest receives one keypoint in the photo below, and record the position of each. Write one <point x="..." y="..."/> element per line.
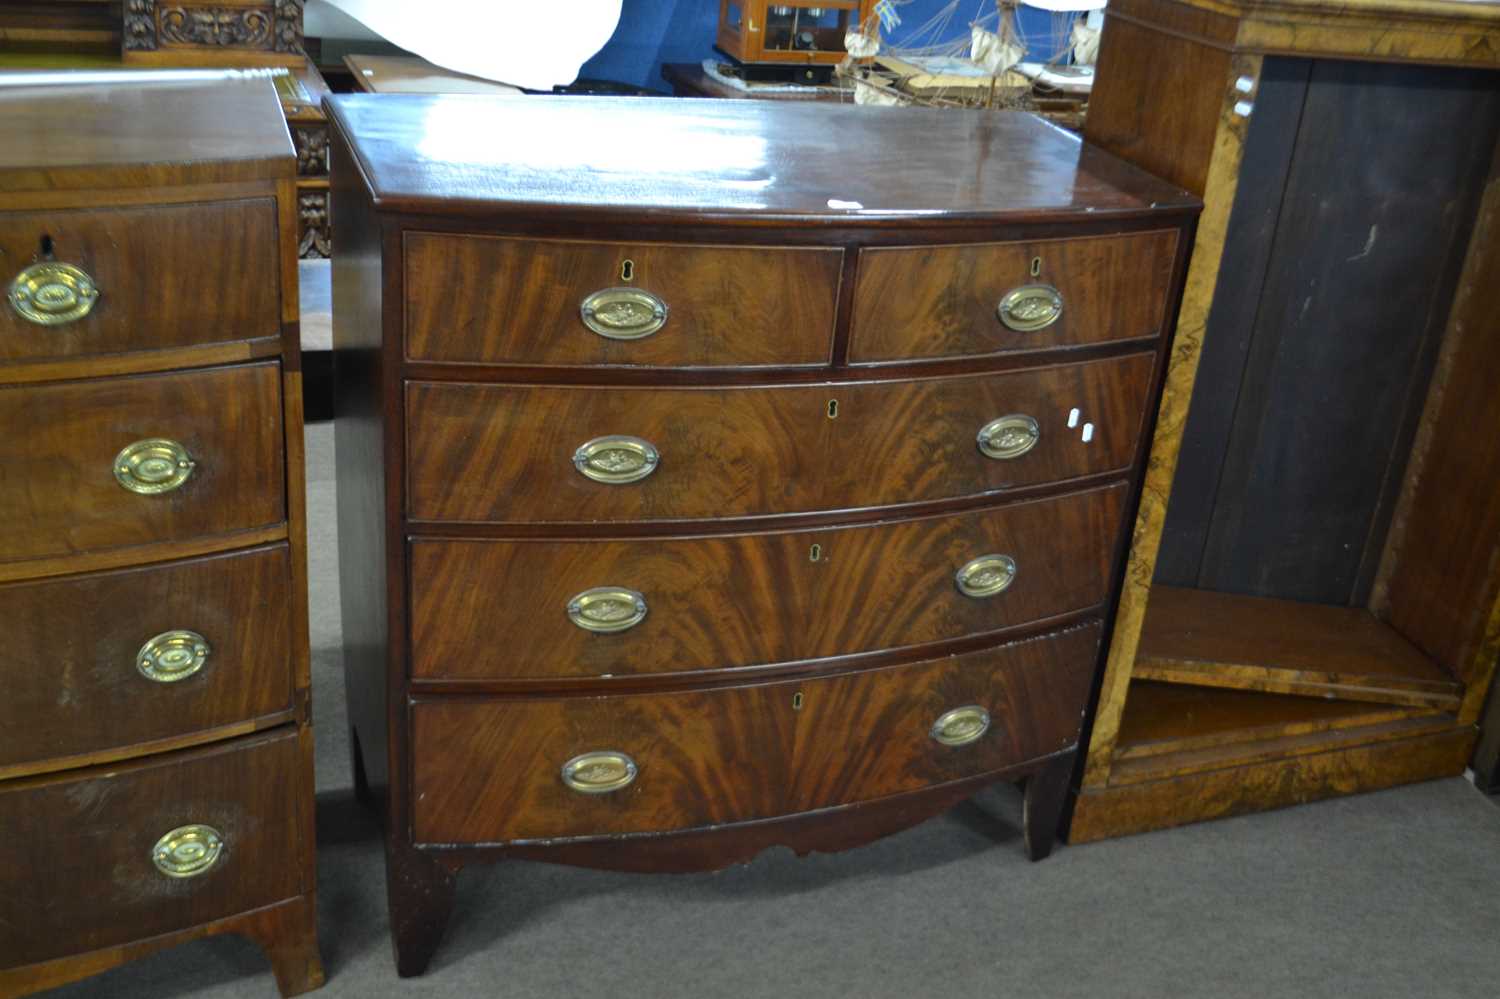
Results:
<point x="616" y="459"/>
<point x="599" y="772"/>
<point x="172" y="656"/>
<point x="52" y="293"/>
<point x="188" y="851"/>
<point x="153" y="466"/>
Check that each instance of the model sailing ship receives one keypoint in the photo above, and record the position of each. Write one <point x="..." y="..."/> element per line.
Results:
<point x="989" y="68"/>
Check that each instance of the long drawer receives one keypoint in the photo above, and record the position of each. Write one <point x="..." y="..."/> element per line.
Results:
<point x="95" y="839"/>
<point x="998" y="298"/>
<point x="143" y="278"/>
<point x="489" y="770"/>
<point x="557" y="302"/>
<point x="570" y="609"/>
<point x="128" y="461"/>
<point x="106" y="661"/>
<point x="515" y="453"/>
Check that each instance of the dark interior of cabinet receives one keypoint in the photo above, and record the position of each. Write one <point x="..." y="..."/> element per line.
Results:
<point x="1357" y="199"/>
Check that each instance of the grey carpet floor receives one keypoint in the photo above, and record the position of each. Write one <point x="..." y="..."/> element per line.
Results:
<point x="1394" y="894"/>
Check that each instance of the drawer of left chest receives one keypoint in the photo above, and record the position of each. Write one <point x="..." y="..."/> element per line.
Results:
<point x="98" y="857"/>
<point x="111" y="664"/>
<point x="101" y="464"/>
<point x="496" y="769"/>
<point x="101" y="281"/>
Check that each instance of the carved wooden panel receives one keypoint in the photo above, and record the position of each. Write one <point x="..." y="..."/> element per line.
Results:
<point x="230" y="25"/>
<point x="314" y="235"/>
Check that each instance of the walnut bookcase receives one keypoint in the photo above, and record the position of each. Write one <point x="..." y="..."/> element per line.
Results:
<point x="1310" y="602"/>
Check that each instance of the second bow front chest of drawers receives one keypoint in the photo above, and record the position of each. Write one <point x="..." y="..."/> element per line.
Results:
<point x="719" y="475"/>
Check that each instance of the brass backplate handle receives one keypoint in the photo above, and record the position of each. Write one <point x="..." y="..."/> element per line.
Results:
<point x="599" y="772"/>
<point x="986" y="576"/>
<point x="172" y="656"/>
<point x="51" y="293"/>
<point x="1008" y="437"/>
<point x="623" y="313"/>
<point x="188" y="851"/>
<point x="960" y="726"/>
<point x="616" y="459"/>
<point x="153" y="466"/>
<point x="1030" y="307"/>
<point x="607" y="609"/>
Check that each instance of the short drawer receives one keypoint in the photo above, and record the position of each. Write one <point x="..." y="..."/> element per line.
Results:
<point x="162" y="276"/>
<point x="501" y="300"/>
<point x="488" y="770"/>
<point x="94" y="840"/>
<point x="100" y="663"/>
<point x="514" y="453"/>
<point x="572" y="609"/>
<point x="127" y="461"/>
<point x="998" y="298"/>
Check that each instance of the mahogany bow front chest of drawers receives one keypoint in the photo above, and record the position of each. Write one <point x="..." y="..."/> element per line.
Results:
<point x="717" y="476"/>
<point x="155" y="741"/>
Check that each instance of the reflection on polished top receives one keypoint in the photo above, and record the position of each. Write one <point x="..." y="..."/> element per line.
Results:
<point x="733" y="159"/>
<point x="130" y="133"/>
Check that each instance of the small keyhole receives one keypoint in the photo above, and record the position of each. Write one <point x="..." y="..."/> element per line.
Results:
<point x="627" y="270"/>
<point x="797" y="701"/>
<point x="814" y="553"/>
<point x="1036" y="266"/>
<point x="46" y="247"/>
<point x="833" y="409"/>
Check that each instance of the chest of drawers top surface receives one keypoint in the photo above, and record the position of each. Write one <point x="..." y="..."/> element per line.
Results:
<point x="733" y="160"/>
<point x="129" y="134"/>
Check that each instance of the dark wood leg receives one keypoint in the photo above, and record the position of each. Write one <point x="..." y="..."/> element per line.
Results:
<point x="420" y="893"/>
<point x="1046" y="793"/>
<point x="361" y="782"/>
<point x="288" y="934"/>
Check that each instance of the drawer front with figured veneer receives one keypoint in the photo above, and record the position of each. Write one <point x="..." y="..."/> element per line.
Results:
<point x="998" y="298"/>
<point x="98" y="281"/>
<point x="101" y="663"/>
<point x="130" y="852"/>
<point x="93" y="465"/>
<point x="578" y="609"/>
<point x="499" y="300"/>
<point x="490" y="770"/>
<point x="514" y="453"/>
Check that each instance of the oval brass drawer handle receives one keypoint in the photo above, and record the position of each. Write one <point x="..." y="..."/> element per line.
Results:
<point x="188" y="851"/>
<point x="1009" y="436"/>
<point x="1030" y="307"/>
<point x="960" y="726"/>
<point x="172" y="656"/>
<point x="623" y="313"/>
<point x="616" y="459"/>
<point x="154" y="466"/>
<point x="52" y="293"/>
<point x="986" y="576"/>
<point x="607" y="609"/>
<point x="599" y="772"/>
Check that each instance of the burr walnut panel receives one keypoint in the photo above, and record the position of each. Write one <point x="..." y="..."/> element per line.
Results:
<point x="166" y="275"/>
<point x="90" y="836"/>
<point x="942" y="301"/>
<point x="72" y="680"/>
<point x="504" y="453"/>
<point x="753" y="599"/>
<point x="517" y="301"/>
<point x="488" y="769"/>
<point x="59" y="494"/>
